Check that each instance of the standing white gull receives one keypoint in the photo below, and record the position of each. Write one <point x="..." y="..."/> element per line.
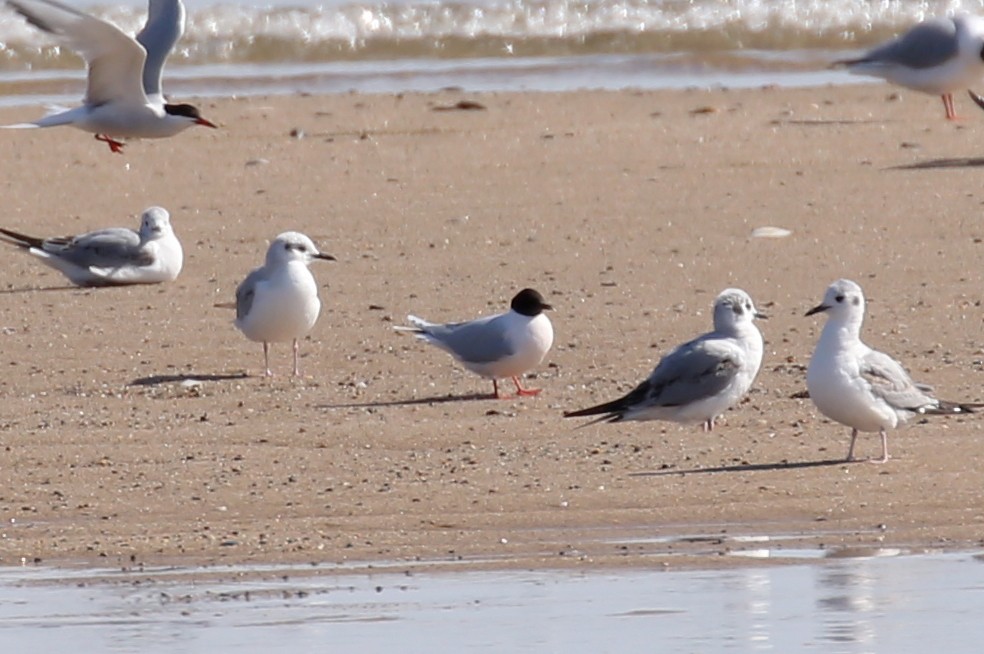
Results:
<point x="496" y="347"/>
<point x="937" y="56"/>
<point x="123" y="97"/>
<point x="857" y="386"/>
<point x="279" y="300"/>
<point x="700" y="379"/>
<point x="111" y="257"/>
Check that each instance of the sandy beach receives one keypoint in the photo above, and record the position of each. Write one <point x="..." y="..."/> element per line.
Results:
<point x="135" y="427"/>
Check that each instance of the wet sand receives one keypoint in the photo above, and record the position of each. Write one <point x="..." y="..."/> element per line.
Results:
<point x="629" y="211"/>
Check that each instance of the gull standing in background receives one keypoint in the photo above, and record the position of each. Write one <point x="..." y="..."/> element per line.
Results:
<point x="111" y="257"/>
<point x="279" y="300"/>
<point x="496" y="347"/>
<point x="937" y="56"/>
<point x="123" y="97"/>
<point x="862" y="388"/>
<point x="700" y="379"/>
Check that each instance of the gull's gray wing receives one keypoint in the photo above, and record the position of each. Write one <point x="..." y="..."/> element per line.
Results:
<point x="164" y="27"/>
<point x="930" y="43"/>
<point x="476" y="341"/>
<point x="106" y="248"/>
<point x="694" y="371"/>
<point x="890" y="382"/>
<point x="246" y="292"/>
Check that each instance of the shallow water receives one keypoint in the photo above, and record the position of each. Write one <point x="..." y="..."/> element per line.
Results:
<point x="849" y="605"/>
<point x="610" y="72"/>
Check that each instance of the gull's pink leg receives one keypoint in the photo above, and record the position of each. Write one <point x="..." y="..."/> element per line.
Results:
<point x="114" y="145"/>
<point x="297" y="373"/>
<point x="884" y="456"/>
<point x="525" y="391"/>
<point x="951" y="114"/>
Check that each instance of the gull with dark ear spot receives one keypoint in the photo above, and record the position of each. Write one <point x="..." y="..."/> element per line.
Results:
<point x="279" y="300"/>
<point x="857" y="386"/>
<point x="123" y="96"/>
<point x="502" y="346"/>
<point x="937" y="56"/>
<point x="116" y="256"/>
<point x="700" y="379"/>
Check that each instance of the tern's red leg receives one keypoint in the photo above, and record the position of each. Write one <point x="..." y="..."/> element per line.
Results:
<point x="525" y="391"/>
<point x="948" y="106"/>
<point x="114" y="145"/>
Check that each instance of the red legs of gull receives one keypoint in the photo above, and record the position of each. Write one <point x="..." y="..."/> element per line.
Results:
<point x="525" y="391"/>
<point x="951" y="114"/>
<point x="520" y="391"/>
<point x="114" y="145"/>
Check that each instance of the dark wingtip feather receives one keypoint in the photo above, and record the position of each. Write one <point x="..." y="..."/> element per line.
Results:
<point x="978" y="100"/>
<point x="615" y="409"/>
<point x="608" y="412"/>
<point x="20" y="240"/>
<point x="606" y="418"/>
<point x="606" y="408"/>
<point x="949" y="408"/>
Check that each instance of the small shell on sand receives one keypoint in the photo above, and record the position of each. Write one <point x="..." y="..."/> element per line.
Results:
<point x="770" y="232"/>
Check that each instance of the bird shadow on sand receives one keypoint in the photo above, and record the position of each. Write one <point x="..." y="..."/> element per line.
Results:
<point x="443" y="399"/>
<point x="157" y="380"/>
<point x="959" y="162"/>
<point x="746" y="467"/>
<point x="42" y="289"/>
<point x="819" y="122"/>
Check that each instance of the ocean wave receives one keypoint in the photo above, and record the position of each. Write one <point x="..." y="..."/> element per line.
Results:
<point x="229" y="33"/>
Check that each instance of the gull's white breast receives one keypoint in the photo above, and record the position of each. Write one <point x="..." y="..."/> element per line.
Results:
<point x="285" y="306"/>
<point x="840" y="392"/>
